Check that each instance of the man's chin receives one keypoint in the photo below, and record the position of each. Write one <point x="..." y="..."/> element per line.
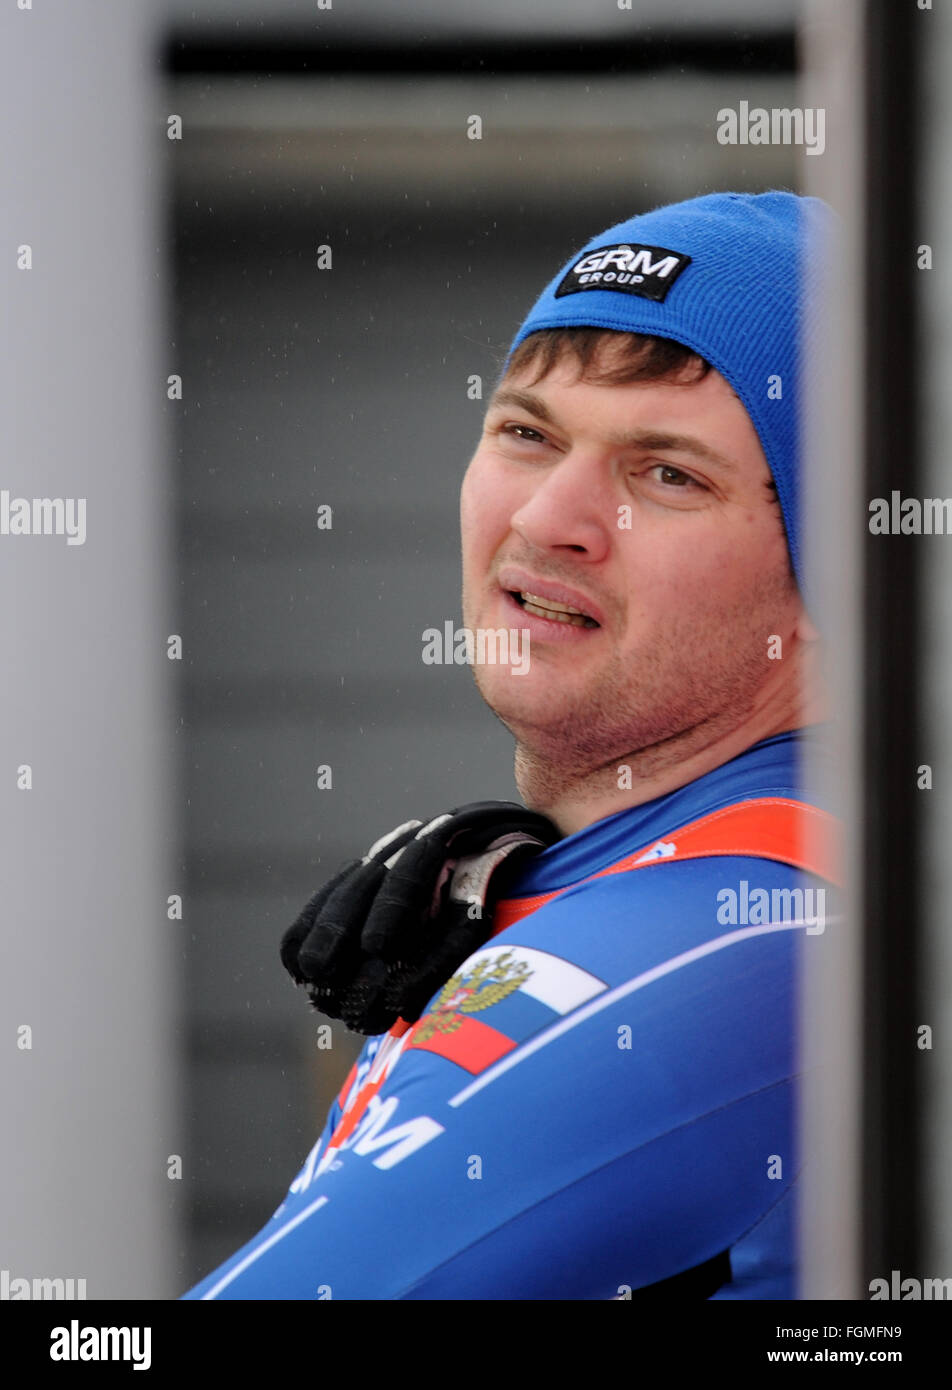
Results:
<point x="524" y="703"/>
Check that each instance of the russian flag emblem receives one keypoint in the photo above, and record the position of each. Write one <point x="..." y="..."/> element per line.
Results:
<point x="497" y="1000"/>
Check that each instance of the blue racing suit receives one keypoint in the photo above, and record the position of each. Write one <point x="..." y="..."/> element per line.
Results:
<point x="603" y="1097"/>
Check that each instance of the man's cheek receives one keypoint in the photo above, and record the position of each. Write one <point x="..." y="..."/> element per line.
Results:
<point x="469" y="530"/>
<point x="485" y="521"/>
<point x="474" y="508"/>
<point x="722" y="570"/>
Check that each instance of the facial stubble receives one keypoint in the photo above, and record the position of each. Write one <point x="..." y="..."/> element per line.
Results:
<point x="695" y="677"/>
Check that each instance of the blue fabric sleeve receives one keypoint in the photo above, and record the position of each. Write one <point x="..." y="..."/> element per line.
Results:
<point x="607" y="1097"/>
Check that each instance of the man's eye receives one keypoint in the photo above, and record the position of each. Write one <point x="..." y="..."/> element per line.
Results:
<point x="525" y="432"/>
<point x="670" y="476"/>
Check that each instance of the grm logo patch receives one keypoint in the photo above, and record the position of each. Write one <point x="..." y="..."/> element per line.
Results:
<point x="648" y="271"/>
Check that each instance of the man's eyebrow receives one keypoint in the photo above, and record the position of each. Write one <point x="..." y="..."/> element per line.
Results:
<point x="661" y="440"/>
<point x="673" y="443"/>
<point x="525" y="400"/>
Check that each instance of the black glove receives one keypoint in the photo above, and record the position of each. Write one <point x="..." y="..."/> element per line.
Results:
<point x="376" y="942"/>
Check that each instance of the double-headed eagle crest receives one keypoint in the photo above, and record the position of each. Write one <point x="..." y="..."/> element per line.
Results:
<point x="469" y="991"/>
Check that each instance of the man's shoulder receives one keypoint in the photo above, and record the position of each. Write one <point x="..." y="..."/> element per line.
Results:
<point x="763" y="803"/>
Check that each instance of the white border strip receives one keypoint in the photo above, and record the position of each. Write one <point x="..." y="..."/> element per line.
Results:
<point x="604" y="1001"/>
<point x="259" y="1250"/>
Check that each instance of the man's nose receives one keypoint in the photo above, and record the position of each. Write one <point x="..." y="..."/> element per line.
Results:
<point x="571" y="507"/>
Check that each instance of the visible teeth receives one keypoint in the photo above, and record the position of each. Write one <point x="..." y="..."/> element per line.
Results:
<point x="555" y="612"/>
<point x="551" y="603"/>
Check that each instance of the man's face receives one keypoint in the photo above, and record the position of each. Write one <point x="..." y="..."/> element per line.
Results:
<point x="648" y="508"/>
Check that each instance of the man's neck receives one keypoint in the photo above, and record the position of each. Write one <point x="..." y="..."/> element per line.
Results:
<point x="574" y="800"/>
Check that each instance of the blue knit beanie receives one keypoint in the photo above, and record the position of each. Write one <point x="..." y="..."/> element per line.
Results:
<point x="728" y="275"/>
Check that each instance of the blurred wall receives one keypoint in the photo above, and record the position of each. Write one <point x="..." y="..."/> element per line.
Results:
<point x="87" y="756"/>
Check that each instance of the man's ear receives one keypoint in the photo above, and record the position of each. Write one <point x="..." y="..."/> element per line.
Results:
<point x="805" y="628"/>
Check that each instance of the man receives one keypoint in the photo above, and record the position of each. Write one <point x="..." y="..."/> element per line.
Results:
<point x="586" y="1088"/>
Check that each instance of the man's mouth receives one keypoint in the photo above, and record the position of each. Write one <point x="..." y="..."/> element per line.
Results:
<point x="548" y="608"/>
